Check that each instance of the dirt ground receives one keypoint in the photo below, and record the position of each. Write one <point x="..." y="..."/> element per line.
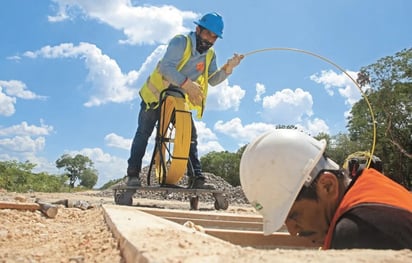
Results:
<point x="81" y="235"/>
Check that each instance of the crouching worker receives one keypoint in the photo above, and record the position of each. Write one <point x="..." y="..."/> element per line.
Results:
<point x="287" y="177"/>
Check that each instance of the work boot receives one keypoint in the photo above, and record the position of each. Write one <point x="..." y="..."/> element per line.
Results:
<point x="198" y="182"/>
<point x="133" y="181"/>
<point x="133" y="172"/>
<point x="133" y="178"/>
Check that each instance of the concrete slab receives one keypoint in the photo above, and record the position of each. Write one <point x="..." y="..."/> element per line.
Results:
<point x="147" y="238"/>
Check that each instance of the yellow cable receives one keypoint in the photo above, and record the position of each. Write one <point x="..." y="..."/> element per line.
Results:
<point x="336" y="66"/>
<point x="177" y="134"/>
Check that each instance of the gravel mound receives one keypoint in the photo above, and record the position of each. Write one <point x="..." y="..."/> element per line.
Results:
<point x="233" y="194"/>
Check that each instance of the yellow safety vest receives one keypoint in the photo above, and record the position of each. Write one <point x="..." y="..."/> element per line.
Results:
<point x="155" y="83"/>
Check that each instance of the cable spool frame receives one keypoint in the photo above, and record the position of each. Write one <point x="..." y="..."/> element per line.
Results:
<point x="173" y="131"/>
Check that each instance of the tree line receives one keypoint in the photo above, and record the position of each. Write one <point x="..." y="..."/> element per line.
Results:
<point x="19" y="177"/>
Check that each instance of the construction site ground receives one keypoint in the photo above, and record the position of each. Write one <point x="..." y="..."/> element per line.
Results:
<point x="105" y="232"/>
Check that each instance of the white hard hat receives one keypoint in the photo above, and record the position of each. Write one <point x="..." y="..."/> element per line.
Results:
<point x="273" y="169"/>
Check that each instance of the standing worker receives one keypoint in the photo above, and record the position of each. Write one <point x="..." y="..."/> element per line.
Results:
<point x="287" y="177"/>
<point x="190" y="64"/>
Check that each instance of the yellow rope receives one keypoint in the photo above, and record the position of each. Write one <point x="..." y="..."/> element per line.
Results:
<point x="336" y="66"/>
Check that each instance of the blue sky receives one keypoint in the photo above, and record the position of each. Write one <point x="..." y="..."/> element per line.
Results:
<point x="70" y="70"/>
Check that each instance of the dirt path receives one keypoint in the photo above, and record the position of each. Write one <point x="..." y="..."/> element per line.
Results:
<point x="74" y="235"/>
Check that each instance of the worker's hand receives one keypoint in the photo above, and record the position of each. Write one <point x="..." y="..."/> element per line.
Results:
<point x="194" y="92"/>
<point x="232" y="63"/>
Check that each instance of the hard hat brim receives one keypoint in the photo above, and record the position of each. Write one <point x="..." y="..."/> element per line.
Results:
<point x="218" y="35"/>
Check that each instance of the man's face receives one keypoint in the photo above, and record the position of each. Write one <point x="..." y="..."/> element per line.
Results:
<point x="207" y="35"/>
<point x="204" y="39"/>
<point x="307" y="218"/>
<point x="310" y="218"/>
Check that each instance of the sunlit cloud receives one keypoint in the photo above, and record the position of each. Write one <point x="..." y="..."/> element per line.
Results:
<point x="207" y="139"/>
<point x="116" y="141"/>
<point x="146" y="24"/>
<point x="345" y="85"/>
<point x="10" y="92"/>
<point x="224" y="97"/>
<point x="108" y="83"/>
<point x="260" y="90"/>
<point x="287" y="106"/>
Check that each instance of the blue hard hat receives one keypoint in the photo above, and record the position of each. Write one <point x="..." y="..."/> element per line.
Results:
<point x="212" y="22"/>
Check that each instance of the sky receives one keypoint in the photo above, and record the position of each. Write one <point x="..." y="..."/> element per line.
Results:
<point x="71" y="70"/>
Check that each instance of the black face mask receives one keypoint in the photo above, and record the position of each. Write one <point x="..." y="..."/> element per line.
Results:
<point x="202" y="45"/>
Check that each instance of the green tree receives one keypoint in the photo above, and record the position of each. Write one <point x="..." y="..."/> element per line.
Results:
<point x="338" y="146"/>
<point x="390" y="96"/>
<point x="18" y="177"/>
<point x="44" y="182"/>
<point x="224" y="164"/>
<point x="75" y="167"/>
<point x="341" y="147"/>
<point x="14" y="175"/>
<point x="88" y="178"/>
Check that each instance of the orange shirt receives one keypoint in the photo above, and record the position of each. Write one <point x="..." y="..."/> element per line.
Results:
<point x="370" y="187"/>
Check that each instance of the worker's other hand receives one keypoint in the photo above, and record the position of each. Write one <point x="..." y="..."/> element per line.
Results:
<point x="232" y="63"/>
<point x="193" y="91"/>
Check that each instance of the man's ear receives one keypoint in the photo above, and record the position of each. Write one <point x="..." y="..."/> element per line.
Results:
<point x="328" y="186"/>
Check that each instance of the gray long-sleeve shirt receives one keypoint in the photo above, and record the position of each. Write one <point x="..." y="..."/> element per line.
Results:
<point x="192" y="69"/>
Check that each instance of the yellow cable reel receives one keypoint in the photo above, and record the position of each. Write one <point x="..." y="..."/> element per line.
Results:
<point x="174" y="131"/>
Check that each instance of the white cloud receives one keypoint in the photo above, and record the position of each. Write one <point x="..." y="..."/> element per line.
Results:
<point x="287" y="106"/>
<point x="223" y="97"/>
<point x="23" y="129"/>
<point x="141" y="24"/>
<point x="346" y="87"/>
<point x="108" y="83"/>
<point x="242" y="133"/>
<point x="42" y="164"/>
<point x="22" y="144"/>
<point x="6" y="104"/>
<point x="116" y="141"/>
<point x="15" y="58"/>
<point x="152" y="59"/>
<point x="24" y="139"/>
<point x="207" y="140"/>
<point x="12" y="90"/>
<point x="18" y="89"/>
<point x="314" y="127"/>
<point x="246" y="133"/>
<point x="260" y="90"/>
